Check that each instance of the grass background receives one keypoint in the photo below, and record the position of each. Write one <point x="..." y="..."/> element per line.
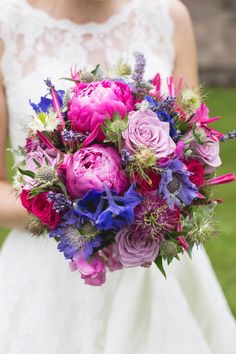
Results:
<point x="222" y="251"/>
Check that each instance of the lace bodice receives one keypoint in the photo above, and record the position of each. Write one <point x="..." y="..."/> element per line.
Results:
<point x="38" y="46"/>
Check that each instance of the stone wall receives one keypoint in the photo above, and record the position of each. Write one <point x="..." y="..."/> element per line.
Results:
<point x="215" y="27"/>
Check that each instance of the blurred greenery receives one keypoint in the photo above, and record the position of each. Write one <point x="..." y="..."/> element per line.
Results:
<point x="222" y="251"/>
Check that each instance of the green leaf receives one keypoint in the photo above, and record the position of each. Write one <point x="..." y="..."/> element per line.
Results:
<point x="37" y="163"/>
<point x="159" y="265"/>
<point x="26" y="172"/>
<point x="95" y="71"/>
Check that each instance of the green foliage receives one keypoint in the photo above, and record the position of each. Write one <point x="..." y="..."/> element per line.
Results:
<point x="113" y="128"/>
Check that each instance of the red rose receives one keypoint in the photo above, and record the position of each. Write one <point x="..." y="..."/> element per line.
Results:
<point x="41" y="208"/>
<point x="26" y="200"/>
<point x="145" y="187"/>
<point x="197" y="172"/>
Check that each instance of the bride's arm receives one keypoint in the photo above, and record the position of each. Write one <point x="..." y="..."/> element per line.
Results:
<point x="185" y="45"/>
<point x="12" y="213"/>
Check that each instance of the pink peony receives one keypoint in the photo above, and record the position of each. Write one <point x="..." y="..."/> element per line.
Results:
<point x="92" y="103"/>
<point x="135" y="249"/>
<point x="146" y="130"/>
<point x="94" y="167"/>
<point x="93" y="272"/>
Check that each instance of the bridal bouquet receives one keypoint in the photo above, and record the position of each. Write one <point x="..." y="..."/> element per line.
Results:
<point x="117" y="173"/>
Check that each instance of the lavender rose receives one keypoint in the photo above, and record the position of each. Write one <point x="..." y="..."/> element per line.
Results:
<point x="146" y="130"/>
<point x="44" y="157"/>
<point x="94" y="167"/>
<point x="208" y="154"/>
<point x="135" y="249"/>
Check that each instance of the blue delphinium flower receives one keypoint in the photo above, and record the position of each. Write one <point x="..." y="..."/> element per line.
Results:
<point x="175" y="186"/>
<point x="45" y="103"/>
<point x="76" y="234"/>
<point x="107" y="210"/>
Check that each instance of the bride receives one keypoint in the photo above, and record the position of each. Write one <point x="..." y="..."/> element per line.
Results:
<point x="45" y="309"/>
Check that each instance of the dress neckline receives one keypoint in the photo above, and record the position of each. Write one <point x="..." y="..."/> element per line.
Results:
<point x="109" y="23"/>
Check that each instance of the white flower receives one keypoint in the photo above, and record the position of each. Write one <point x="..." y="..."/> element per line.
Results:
<point x="44" y="122"/>
<point x="17" y="181"/>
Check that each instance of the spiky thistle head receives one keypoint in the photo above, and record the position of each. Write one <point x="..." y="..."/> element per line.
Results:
<point x="169" y="249"/>
<point x="146" y="158"/>
<point x="142" y="161"/>
<point x="200" y="226"/>
<point x="153" y="218"/>
<point x="189" y="99"/>
<point x="87" y="76"/>
<point x="45" y="174"/>
<point x="123" y="68"/>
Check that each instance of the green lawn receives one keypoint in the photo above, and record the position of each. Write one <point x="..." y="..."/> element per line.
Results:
<point x="222" y="251"/>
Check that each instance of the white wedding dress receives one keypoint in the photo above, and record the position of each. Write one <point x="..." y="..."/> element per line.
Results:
<point x="46" y="309"/>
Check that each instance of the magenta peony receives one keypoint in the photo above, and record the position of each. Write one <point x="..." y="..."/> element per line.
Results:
<point x="93" y="103"/>
<point x="135" y="249"/>
<point x="95" y="167"/>
<point x="146" y="130"/>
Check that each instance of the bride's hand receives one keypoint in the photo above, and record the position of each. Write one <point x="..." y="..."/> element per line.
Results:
<point x="12" y="214"/>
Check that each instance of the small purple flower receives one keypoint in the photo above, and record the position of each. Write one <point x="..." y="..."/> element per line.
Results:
<point x="71" y="136"/>
<point x="76" y="235"/>
<point x="175" y="186"/>
<point x="60" y="202"/>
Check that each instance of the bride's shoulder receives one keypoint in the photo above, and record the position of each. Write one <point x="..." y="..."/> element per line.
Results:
<point x="180" y="14"/>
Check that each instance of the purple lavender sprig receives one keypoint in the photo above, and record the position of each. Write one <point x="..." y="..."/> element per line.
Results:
<point x="59" y="200"/>
<point x="229" y="136"/>
<point x="138" y="72"/>
<point x="139" y="68"/>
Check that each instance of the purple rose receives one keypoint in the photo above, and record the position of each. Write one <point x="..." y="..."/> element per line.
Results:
<point x="135" y="249"/>
<point x="45" y="157"/>
<point x="94" y="167"/>
<point x="146" y="130"/>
